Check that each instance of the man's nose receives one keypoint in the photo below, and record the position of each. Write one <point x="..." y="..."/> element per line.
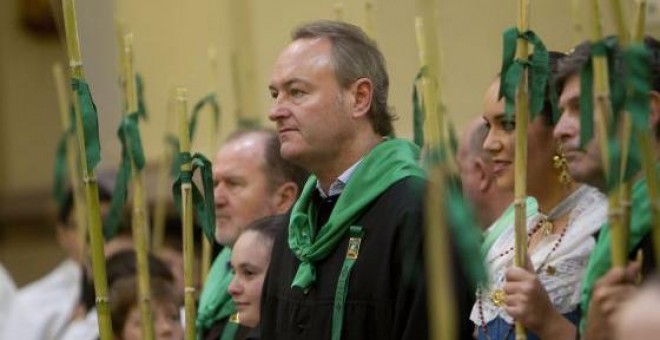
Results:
<point x="566" y="128"/>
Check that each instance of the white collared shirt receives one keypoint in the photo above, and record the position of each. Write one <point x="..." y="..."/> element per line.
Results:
<point x="339" y="184"/>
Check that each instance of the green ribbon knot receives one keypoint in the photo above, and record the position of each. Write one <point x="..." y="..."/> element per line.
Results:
<point x="418" y="109"/>
<point x="90" y="122"/>
<point x="512" y="70"/>
<point x="390" y="161"/>
<point x="204" y="205"/>
<point x="60" y="166"/>
<point x="142" y="107"/>
<point x="132" y="159"/>
<point x="605" y="48"/>
<point x="209" y="100"/>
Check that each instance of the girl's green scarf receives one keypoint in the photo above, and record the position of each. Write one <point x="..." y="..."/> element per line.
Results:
<point x="215" y="303"/>
<point x="386" y="164"/>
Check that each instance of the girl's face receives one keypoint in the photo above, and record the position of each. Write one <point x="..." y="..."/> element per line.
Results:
<point x="167" y="322"/>
<point x="249" y="259"/>
<point x="500" y="143"/>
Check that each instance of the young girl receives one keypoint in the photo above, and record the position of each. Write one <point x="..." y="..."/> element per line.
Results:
<point x="125" y="311"/>
<point x="250" y="259"/>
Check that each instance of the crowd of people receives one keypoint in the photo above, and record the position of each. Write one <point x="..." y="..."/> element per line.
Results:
<point x="321" y="221"/>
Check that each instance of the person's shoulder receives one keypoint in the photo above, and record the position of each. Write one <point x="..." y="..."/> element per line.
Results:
<point x="411" y="185"/>
<point x="65" y="276"/>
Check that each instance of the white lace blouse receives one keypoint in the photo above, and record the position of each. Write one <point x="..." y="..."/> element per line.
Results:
<point x="560" y="271"/>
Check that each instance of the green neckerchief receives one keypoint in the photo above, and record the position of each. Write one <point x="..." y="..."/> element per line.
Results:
<point x="388" y="162"/>
<point x="600" y="260"/>
<point x="214" y="302"/>
<point x="507" y="219"/>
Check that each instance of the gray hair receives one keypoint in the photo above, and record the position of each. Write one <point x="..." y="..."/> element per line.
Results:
<point x="355" y="56"/>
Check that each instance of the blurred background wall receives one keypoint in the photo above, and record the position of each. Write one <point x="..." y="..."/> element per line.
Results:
<point x="172" y="42"/>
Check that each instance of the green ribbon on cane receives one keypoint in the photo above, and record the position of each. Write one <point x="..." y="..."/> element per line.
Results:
<point x="512" y="69"/>
<point x="209" y="100"/>
<point x="418" y="110"/>
<point x="90" y="122"/>
<point x="132" y="155"/>
<point x="638" y="82"/>
<point x="204" y="204"/>
<point x="142" y="107"/>
<point x="60" y="166"/>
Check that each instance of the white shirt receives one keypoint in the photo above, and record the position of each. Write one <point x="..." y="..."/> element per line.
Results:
<point x="43" y="309"/>
<point x="567" y="261"/>
<point x="339" y="184"/>
<point x="7" y="292"/>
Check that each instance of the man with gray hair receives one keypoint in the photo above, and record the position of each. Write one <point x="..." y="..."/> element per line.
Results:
<point x="251" y="181"/>
<point x="476" y="171"/>
<point x="349" y="266"/>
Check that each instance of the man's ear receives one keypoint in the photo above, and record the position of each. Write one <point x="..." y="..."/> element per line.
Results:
<point x="654" y="116"/>
<point x="363" y="92"/>
<point x="284" y="197"/>
<point x="482" y="171"/>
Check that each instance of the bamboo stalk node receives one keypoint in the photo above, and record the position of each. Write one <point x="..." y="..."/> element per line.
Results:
<point x="188" y="290"/>
<point x="102" y="300"/>
<point x="90" y="179"/>
<point x="615" y="212"/>
<point x="75" y="64"/>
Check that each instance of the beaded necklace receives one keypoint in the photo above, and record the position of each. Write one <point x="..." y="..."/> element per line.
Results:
<point x="545" y="224"/>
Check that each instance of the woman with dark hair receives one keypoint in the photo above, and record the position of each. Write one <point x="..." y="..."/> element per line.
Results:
<point x="249" y="260"/>
<point x="561" y="218"/>
<point x="125" y="311"/>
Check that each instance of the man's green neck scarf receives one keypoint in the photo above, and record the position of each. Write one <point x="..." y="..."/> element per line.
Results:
<point x="215" y="303"/>
<point x="600" y="260"/>
<point x="386" y="164"/>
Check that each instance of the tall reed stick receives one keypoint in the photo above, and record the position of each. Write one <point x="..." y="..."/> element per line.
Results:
<point x="89" y="179"/>
<point x="442" y="306"/>
<point x="79" y="206"/>
<point x="207" y="246"/>
<point x="139" y="218"/>
<point x="520" y="160"/>
<point x="603" y="113"/>
<point x="646" y="143"/>
<point x="187" y="216"/>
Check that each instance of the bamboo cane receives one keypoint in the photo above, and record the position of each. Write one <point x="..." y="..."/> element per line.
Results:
<point x="89" y="179"/>
<point x="338" y="9"/>
<point x="576" y="21"/>
<point x="520" y="160"/>
<point x="207" y="247"/>
<point x="647" y="144"/>
<point x="442" y="306"/>
<point x="120" y="33"/>
<point x="160" y="208"/>
<point x="187" y="217"/>
<point x="369" y="25"/>
<point x="63" y="96"/>
<point x="603" y="112"/>
<point x="163" y="188"/>
<point x="238" y="90"/>
<point x="620" y="22"/>
<point x="624" y="187"/>
<point x="139" y="218"/>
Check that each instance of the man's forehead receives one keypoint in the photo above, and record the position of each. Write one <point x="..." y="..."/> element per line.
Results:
<point x="251" y="146"/>
<point x="302" y="55"/>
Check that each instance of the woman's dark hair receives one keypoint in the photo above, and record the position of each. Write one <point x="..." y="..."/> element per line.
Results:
<point x="120" y="265"/>
<point x="124" y="296"/>
<point x="269" y="227"/>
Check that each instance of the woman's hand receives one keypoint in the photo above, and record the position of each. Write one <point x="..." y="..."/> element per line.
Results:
<point x="527" y="301"/>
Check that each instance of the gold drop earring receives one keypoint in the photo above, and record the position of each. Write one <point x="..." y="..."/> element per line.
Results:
<point x="560" y="163"/>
